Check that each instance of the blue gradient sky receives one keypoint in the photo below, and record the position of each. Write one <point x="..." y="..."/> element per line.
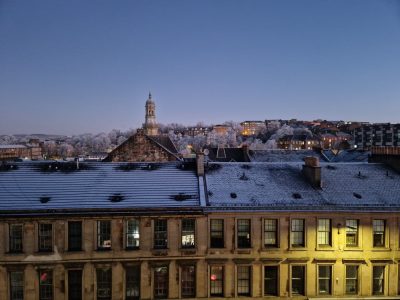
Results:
<point x="79" y="66"/>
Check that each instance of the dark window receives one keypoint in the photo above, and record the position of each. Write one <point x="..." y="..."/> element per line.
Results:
<point x="103" y="235"/>
<point x="132" y="234"/>
<point x="217" y="281"/>
<point x="132" y="283"/>
<point x="378" y="277"/>
<point x="188" y="286"/>
<point x="324" y="280"/>
<point x="352" y="233"/>
<point x="298" y="280"/>
<point x="270" y="280"/>
<point x="75" y="236"/>
<point x="324" y="232"/>
<point x="217" y="233"/>
<point x="351" y="280"/>
<point x="104" y="284"/>
<point x="379" y="233"/>
<point x="45" y="284"/>
<point x="17" y="285"/>
<point x="297" y="233"/>
<point x="271" y="233"/>
<point x="75" y="285"/>
<point x="188" y="231"/>
<point x="15" y="238"/>
<point x="244" y="233"/>
<point x="161" y="282"/>
<point x="243" y="280"/>
<point x="45" y="237"/>
<point x="160" y="234"/>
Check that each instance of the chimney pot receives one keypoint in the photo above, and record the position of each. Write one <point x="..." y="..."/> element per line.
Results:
<point x="312" y="171"/>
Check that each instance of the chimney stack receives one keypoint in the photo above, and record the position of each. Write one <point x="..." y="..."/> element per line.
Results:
<point x="200" y="164"/>
<point x="312" y="171"/>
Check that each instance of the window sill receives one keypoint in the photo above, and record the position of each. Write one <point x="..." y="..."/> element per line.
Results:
<point x="159" y="252"/>
<point x="132" y="248"/>
<point x="269" y="249"/>
<point x="45" y="252"/>
<point x="380" y="249"/>
<point x="14" y="253"/>
<point x="324" y="248"/>
<point x="103" y="249"/>
<point x="355" y="248"/>
<point x="303" y="248"/>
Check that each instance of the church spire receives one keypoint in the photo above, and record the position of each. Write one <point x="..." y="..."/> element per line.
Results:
<point x="149" y="95"/>
<point x="150" y="125"/>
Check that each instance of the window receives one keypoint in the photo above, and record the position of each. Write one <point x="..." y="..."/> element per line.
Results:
<point x="161" y="282"/>
<point x="45" y="284"/>
<point x="351" y="233"/>
<point x="15" y="235"/>
<point x="324" y="280"/>
<point x="17" y="285"/>
<point x="324" y="232"/>
<point x="217" y="233"/>
<point x="243" y="280"/>
<point x="379" y="233"/>
<point x="75" y="285"/>
<point x="132" y="234"/>
<point x="297" y="233"/>
<point x="45" y="237"/>
<point x="103" y="235"/>
<point x="104" y="284"/>
<point x="160" y="234"/>
<point x="378" y="278"/>
<point x="298" y="280"/>
<point x="270" y="280"/>
<point x="132" y="279"/>
<point x="243" y="233"/>
<point x="351" y="280"/>
<point x="188" y="231"/>
<point x="74" y="236"/>
<point x="271" y="233"/>
<point x="188" y="281"/>
<point x="217" y="281"/>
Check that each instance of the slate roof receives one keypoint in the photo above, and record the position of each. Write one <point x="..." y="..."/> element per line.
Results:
<point x="138" y="186"/>
<point x="277" y="186"/>
<point x="223" y="154"/>
<point x="165" y="142"/>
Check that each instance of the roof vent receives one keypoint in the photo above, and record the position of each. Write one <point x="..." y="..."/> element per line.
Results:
<point x="117" y="197"/>
<point x="244" y="177"/>
<point x="233" y="195"/>
<point x="297" y="196"/>
<point x="361" y="176"/>
<point x="181" y="197"/>
<point x="44" y="199"/>
<point x="357" y="195"/>
<point x="330" y="167"/>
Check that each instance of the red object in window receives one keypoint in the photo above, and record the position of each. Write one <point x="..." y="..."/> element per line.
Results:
<point x="213" y="277"/>
<point x="43" y="277"/>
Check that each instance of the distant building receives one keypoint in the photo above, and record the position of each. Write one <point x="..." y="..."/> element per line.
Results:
<point x="221" y="129"/>
<point x="298" y="142"/>
<point x="252" y="127"/>
<point x="371" y="135"/>
<point x="194" y="131"/>
<point x="31" y="150"/>
<point x="147" y="145"/>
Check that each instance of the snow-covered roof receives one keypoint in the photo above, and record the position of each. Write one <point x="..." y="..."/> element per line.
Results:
<point x="97" y="186"/>
<point x="11" y="146"/>
<point x="282" y="186"/>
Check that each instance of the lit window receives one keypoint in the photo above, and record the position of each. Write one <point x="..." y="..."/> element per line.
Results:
<point x="160" y="234"/>
<point x="297" y="233"/>
<point x="271" y="280"/>
<point x="324" y="232"/>
<point x="45" y="285"/>
<point x="352" y="233"/>
<point x="17" y="285"/>
<point x="15" y="241"/>
<point x="45" y="237"/>
<point x="104" y="284"/>
<point x="103" y="235"/>
<point x="378" y="277"/>
<point x="132" y="280"/>
<point x="188" y="281"/>
<point x="298" y="280"/>
<point x="324" y="280"/>
<point x="379" y="233"/>
<point x="351" y="280"/>
<point x="217" y="233"/>
<point x="243" y="280"/>
<point x="271" y="233"/>
<point x="132" y="234"/>
<point x="188" y="232"/>
<point x="217" y="281"/>
<point x="75" y="236"/>
<point x="161" y="282"/>
<point x="244" y="233"/>
<point x="75" y="285"/>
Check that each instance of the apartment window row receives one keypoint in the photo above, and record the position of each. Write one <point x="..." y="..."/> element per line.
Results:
<point x="297" y="233"/>
<point x="160" y="275"/>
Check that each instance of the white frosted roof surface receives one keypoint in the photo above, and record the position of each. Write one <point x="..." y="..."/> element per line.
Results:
<point x="140" y="187"/>
<point x="273" y="185"/>
<point x="11" y="146"/>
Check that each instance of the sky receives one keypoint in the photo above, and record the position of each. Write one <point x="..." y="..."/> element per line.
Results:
<point x="77" y="66"/>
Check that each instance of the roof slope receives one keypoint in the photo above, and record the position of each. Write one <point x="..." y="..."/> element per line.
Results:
<point x="277" y="186"/>
<point x="95" y="184"/>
